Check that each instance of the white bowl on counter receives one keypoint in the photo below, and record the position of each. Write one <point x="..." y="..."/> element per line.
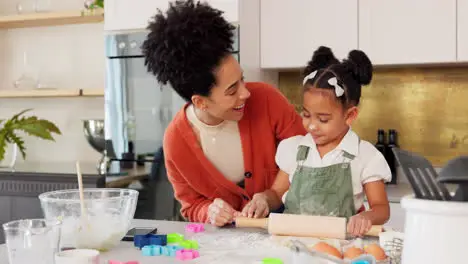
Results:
<point x="109" y="215"/>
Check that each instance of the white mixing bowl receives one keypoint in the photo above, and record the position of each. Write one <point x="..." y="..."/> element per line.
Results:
<point x="109" y="215"/>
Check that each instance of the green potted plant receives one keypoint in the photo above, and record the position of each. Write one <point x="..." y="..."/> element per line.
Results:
<point x="29" y="125"/>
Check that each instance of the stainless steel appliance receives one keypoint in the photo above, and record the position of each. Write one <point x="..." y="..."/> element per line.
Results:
<point x="138" y="109"/>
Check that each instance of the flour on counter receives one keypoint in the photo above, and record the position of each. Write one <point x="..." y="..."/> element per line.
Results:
<point x="231" y="238"/>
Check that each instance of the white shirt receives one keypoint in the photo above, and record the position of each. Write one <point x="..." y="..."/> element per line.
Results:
<point x="221" y="145"/>
<point x="368" y="165"/>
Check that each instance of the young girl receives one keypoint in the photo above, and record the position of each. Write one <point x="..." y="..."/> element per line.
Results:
<point x="330" y="170"/>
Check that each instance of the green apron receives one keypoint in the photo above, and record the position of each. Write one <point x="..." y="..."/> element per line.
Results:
<point x="324" y="191"/>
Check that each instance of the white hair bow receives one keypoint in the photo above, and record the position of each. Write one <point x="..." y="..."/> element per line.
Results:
<point x="339" y="91"/>
<point x="309" y="77"/>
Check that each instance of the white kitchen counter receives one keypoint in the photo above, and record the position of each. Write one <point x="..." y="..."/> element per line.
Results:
<point x="217" y="245"/>
<point x="229" y="248"/>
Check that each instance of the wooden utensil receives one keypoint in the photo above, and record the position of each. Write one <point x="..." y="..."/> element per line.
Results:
<point x="84" y="214"/>
<point x="303" y="225"/>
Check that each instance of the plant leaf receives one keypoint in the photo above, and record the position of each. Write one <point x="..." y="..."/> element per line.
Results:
<point x="35" y="130"/>
<point x="31" y="125"/>
<point x="15" y="117"/>
<point x="19" y="142"/>
<point x="49" y="126"/>
<point x="36" y="127"/>
<point x="3" y="145"/>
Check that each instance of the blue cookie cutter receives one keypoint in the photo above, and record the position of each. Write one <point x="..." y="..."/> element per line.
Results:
<point x="155" y="250"/>
<point x="149" y="239"/>
<point x="151" y="250"/>
<point x="171" y="250"/>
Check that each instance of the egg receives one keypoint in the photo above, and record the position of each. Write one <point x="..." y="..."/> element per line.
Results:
<point x="353" y="252"/>
<point x="327" y="249"/>
<point x="376" y="251"/>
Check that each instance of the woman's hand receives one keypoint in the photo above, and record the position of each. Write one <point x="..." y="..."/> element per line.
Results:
<point x="258" y="207"/>
<point x="221" y="213"/>
<point x="359" y="225"/>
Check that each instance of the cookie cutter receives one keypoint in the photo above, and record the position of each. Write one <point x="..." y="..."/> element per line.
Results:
<point x="187" y="254"/>
<point x="149" y="239"/>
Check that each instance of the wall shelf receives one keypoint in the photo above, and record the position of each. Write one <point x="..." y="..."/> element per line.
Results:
<point x="49" y="93"/>
<point x="51" y="19"/>
<point x="92" y="92"/>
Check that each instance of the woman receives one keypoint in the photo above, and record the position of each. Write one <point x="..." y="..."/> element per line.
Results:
<point x="220" y="148"/>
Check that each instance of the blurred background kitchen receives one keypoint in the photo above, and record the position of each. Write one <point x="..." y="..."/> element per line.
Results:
<point x="84" y="72"/>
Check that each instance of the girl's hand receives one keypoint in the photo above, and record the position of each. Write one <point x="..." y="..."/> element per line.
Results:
<point x="221" y="213"/>
<point x="258" y="207"/>
<point x="359" y="225"/>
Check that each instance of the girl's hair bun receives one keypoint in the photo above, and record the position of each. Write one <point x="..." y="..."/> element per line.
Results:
<point x="322" y="58"/>
<point x="360" y="66"/>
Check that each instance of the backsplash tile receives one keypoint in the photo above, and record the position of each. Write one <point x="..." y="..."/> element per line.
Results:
<point x="427" y="106"/>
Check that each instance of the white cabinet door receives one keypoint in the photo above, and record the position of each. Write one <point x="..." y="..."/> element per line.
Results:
<point x="131" y="15"/>
<point x="292" y="30"/>
<point x="462" y="26"/>
<point x="407" y="32"/>
<point x="397" y="217"/>
<point x="229" y="7"/>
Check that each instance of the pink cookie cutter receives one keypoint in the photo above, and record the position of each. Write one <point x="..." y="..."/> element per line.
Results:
<point x="120" y="262"/>
<point x="187" y="254"/>
<point x="195" y="228"/>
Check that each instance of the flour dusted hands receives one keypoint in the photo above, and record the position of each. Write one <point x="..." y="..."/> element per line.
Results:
<point x="359" y="225"/>
<point x="221" y="213"/>
<point x="257" y="207"/>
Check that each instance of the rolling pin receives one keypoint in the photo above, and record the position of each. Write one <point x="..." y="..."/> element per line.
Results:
<point x="303" y="225"/>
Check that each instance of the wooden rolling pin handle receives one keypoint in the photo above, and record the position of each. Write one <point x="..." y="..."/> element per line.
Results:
<point x="375" y="231"/>
<point x="251" y="222"/>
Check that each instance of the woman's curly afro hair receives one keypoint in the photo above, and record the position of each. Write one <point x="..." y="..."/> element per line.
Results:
<point x="185" y="45"/>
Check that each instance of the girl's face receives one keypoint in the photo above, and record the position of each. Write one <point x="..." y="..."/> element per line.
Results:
<point x="324" y="117"/>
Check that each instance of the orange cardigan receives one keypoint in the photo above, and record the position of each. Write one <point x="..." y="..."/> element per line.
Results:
<point x="268" y="118"/>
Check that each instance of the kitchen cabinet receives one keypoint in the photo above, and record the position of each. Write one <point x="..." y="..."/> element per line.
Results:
<point x="462" y="28"/>
<point x="129" y="15"/>
<point x="292" y="30"/>
<point x="409" y="32"/>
